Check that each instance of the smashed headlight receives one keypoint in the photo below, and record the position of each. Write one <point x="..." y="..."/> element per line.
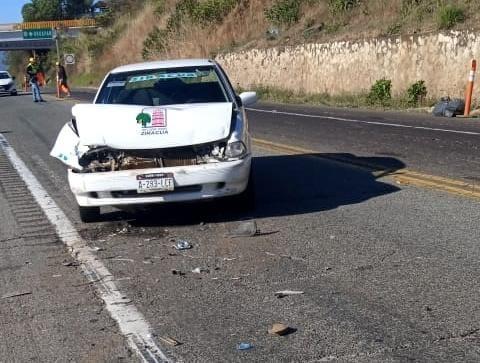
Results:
<point x="235" y="150"/>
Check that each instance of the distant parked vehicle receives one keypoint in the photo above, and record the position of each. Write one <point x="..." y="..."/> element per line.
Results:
<point x="7" y="84"/>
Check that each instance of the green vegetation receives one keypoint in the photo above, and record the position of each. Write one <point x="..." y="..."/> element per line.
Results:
<point x="155" y="42"/>
<point x="212" y="11"/>
<point x="273" y="94"/>
<point x="341" y="6"/>
<point x="381" y="92"/>
<point x="40" y="10"/>
<point x="357" y="100"/>
<point x="449" y="16"/>
<point x="197" y="12"/>
<point x="86" y="79"/>
<point x="283" y="12"/>
<point x="417" y="93"/>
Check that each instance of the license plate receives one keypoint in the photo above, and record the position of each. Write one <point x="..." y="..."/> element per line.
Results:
<point x="157" y="182"/>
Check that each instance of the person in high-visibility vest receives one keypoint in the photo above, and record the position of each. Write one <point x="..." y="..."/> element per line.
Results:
<point x="62" y="80"/>
<point x="32" y="70"/>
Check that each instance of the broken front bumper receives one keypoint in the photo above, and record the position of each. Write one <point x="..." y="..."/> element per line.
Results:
<point x="191" y="183"/>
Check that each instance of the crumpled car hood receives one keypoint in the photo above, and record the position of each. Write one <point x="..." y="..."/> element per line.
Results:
<point x="139" y="127"/>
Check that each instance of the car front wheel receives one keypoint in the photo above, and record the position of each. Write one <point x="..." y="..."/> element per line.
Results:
<point x="14" y="93"/>
<point x="89" y="214"/>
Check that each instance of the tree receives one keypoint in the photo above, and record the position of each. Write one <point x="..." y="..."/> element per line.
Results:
<point x="40" y="10"/>
<point x="43" y="10"/>
<point x="77" y="8"/>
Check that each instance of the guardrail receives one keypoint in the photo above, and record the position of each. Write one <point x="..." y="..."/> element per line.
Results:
<point x="74" y="23"/>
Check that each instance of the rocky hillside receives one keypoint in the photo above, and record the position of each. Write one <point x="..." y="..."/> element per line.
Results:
<point x="203" y="28"/>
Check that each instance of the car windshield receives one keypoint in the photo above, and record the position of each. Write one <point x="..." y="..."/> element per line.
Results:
<point x="4" y="75"/>
<point x="163" y="87"/>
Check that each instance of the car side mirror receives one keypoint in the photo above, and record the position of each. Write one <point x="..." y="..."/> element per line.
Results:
<point x="248" y="98"/>
<point x="13" y="78"/>
<point x="239" y="100"/>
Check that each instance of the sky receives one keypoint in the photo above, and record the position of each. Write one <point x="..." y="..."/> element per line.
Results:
<point x="12" y="11"/>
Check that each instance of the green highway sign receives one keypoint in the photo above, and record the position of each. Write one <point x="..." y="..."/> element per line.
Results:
<point x="46" y="33"/>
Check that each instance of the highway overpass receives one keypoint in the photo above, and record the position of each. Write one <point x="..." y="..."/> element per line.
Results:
<point x="12" y="35"/>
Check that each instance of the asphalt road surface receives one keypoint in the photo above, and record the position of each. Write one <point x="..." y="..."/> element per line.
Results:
<point x="389" y="272"/>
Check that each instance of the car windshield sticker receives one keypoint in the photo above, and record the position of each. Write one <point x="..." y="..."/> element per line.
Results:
<point x="116" y="84"/>
<point x="152" y="77"/>
<point x="154" y="123"/>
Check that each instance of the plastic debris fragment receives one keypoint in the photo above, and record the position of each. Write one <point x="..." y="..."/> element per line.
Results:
<point x="244" y="346"/>
<point x="182" y="245"/>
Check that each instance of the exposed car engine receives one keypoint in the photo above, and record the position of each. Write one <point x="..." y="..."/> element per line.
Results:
<point x="103" y="159"/>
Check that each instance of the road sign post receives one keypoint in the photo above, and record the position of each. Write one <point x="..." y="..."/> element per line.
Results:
<point x="69" y="58"/>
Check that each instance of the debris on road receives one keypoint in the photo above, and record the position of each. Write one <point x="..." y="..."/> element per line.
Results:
<point x="178" y="272"/>
<point x="70" y="263"/>
<point x="199" y="270"/>
<point x="229" y="259"/>
<point x="182" y="245"/>
<point x="279" y="329"/>
<point x="170" y="341"/>
<point x="284" y="293"/>
<point x="448" y="107"/>
<point x="150" y="239"/>
<point x="244" y="229"/>
<point x="123" y="259"/>
<point x="16" y="294"/>
<point x="98" y="249"/>
<point x="244" y="346"/>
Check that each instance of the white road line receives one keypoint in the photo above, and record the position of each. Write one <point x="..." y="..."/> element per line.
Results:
<point x="365" y="122"/>
<point x="131" y="322"/>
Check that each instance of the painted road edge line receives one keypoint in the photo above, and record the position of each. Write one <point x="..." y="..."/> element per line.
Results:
<point x="131" y="322"/>
<point x="406" y="176"/>
<point x="364" y="121"/>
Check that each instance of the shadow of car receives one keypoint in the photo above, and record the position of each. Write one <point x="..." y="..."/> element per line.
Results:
<point x="284" y="185"/>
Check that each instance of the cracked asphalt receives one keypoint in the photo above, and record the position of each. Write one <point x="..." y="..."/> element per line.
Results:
<point x="389" y="272"/>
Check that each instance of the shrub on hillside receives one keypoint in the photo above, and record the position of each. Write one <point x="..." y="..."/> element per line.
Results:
<point x="284" y="12"/>
<point x="155" y="42"/>
<point x="381" y="92"/>
<point x="449" y="16"/>
<point x="183" y="9"/>
<point x="203" y="13"/>
<point x="340" y="6"/>
<point x="416" y="93"/>
<point x="212" y="11"/>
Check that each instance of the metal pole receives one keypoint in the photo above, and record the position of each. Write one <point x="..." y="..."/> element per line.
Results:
<point x="58" y="60"/>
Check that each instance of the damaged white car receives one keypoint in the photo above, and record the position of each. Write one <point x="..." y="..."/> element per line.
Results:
<point x="158" y="132"/>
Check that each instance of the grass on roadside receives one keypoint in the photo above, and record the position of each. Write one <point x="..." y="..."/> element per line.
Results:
<point x="86" y="80"/>
<point x="359" y="100"/>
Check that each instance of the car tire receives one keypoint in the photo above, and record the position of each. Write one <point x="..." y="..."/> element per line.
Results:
<point x="89" y="214"/>
<point x="14" y="93"/>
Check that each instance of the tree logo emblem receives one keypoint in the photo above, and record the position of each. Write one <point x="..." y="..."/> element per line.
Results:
<point x="144" y="119"/>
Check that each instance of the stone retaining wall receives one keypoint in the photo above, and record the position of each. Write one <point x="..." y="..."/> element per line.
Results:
<point x="442" y="60"/>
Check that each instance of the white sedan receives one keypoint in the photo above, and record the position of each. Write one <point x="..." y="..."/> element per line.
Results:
<point x="7" y="84"/>
<point x="157" y="132"/>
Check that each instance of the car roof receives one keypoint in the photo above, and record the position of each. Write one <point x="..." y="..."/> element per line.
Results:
<point x="176" y="63"/>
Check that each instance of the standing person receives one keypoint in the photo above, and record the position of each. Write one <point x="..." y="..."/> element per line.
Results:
<point x="62" y="80"/>
<point x="32" y="70"/>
